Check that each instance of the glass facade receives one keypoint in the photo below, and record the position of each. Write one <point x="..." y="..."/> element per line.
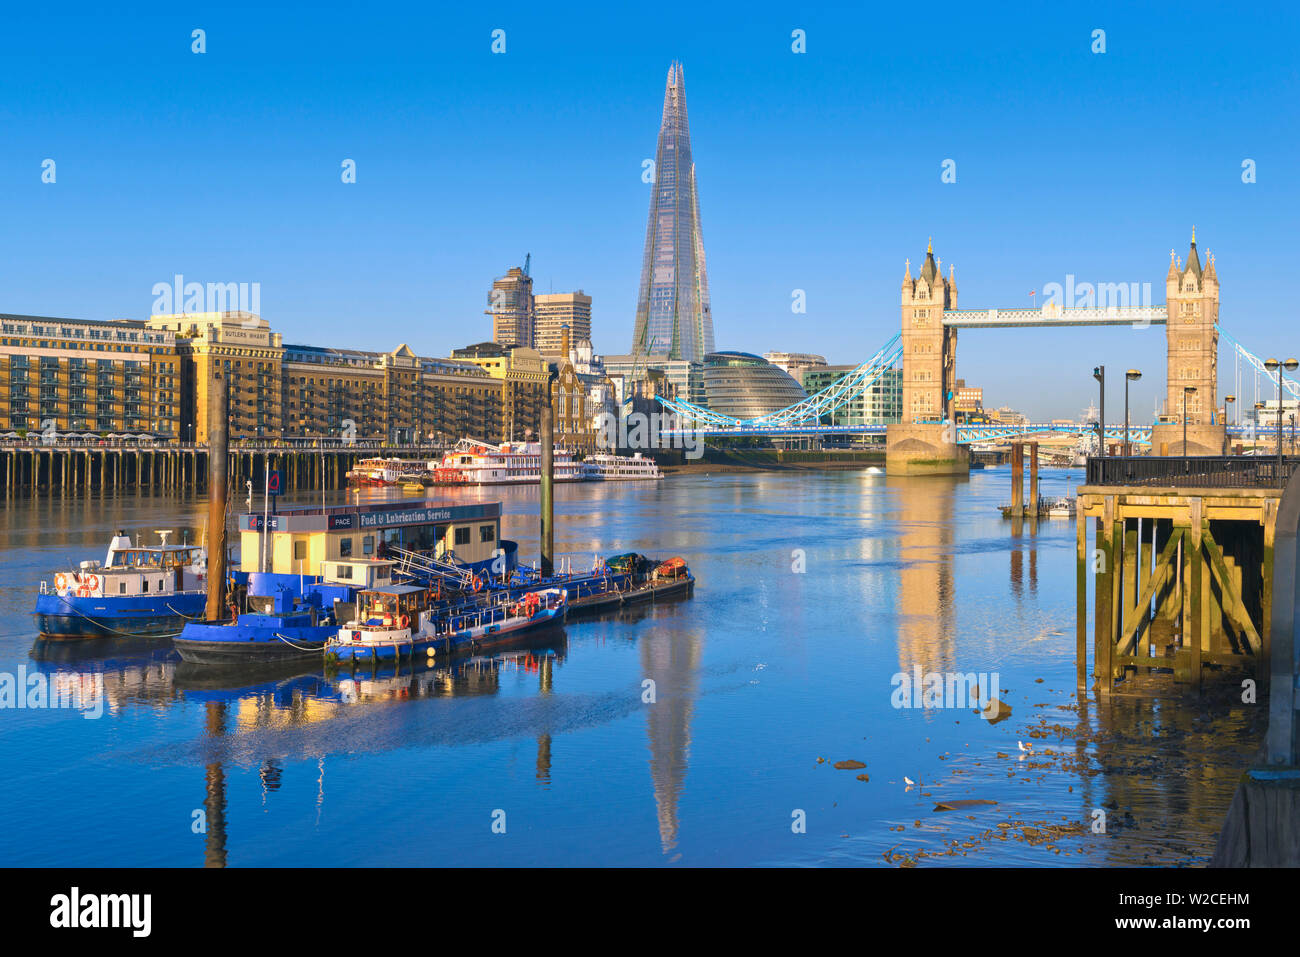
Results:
<point x="747" y="386"/>
<point x="673" y="316"/>
<point x="880" y="404"/>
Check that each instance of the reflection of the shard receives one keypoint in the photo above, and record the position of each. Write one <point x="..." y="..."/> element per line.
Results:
<point x="671" y="658"/>
<point x="925" y="579"/>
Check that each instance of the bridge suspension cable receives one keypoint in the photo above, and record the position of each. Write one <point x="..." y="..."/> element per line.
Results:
<point x="1257" y="363"/>
<point x="843" y="390"/>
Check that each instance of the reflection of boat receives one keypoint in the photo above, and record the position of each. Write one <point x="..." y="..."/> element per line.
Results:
<point x="396" y="622"/>
<point x="135" y="591"/>
<point x="403" y="680"/>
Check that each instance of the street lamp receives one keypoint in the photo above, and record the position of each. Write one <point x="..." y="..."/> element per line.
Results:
<point x="1187" y="390"/>
<point x="1290" y="365"/>
<point x="1099" y="373"/>
<point x="1131" y="376"/>
<point x="1227" y="401"/>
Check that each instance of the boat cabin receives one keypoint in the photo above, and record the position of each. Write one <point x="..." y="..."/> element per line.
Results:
<point x="395" y="606"/>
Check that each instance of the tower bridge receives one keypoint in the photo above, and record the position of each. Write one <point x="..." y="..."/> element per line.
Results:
<point x="928" y="440"/>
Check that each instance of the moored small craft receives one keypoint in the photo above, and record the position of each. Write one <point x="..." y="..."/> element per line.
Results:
<point x="383" y="472"/>
<point x="606" y="467"/>
<point x="294" y="621"/>
<point x="396" y="622"/>
<point x="136" y="591"/>
<point x="473" y="462"/>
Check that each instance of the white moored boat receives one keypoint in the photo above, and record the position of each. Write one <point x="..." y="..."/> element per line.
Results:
<point x="511" y="463"/>
<point x="604" y="467"/>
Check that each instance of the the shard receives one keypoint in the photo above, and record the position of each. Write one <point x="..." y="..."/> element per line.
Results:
<point x="672" y="316"/>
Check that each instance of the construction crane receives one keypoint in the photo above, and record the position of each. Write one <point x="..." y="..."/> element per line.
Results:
<point x="528" y="260"/>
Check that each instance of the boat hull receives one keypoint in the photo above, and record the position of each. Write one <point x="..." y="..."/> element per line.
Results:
<point x="234" y="642"/>
<point x="648" y="592"/>
<point x="77" y="618"/>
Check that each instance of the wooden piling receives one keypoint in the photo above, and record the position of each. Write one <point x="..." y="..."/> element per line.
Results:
<point x="218" y="485"/>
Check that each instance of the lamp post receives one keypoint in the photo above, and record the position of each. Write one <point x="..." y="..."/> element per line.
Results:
<point x="1131" y="376"/>
<point x="1290" y="365"/>
<point x="1187" y="390"/>
<point x="1228" y="400"/>
<point x="1099" y="373"/>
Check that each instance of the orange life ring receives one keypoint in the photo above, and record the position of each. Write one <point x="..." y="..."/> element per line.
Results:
<point x="92" y="582"/>
<point x="83" y="591"/>
<point x="404" y="622"/>
<point x="60" y="581"/>
<point x="478" y="584"/>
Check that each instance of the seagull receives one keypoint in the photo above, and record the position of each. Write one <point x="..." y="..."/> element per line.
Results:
<point x="1027" y="748"/>
<point x="908" y="781"/>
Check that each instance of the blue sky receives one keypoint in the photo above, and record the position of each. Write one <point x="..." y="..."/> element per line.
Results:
<point x="818" y="171"/>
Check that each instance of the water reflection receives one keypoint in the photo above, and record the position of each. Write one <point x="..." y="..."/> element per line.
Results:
<point x="672" y="660"/>
<point x="926" y="592"/>
<point x="901" y="573"/>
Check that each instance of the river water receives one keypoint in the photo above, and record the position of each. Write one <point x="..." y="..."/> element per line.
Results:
<point x="815" y="589"/>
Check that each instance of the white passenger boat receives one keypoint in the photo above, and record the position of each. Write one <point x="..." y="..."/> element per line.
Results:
<point x="381" y="472"/>
<point x="604" y="467"/>
<point x="512" y="463"/>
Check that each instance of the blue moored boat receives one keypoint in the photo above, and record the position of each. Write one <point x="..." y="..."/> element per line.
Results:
<point x="395" y="622"/>
<point x="137" y="591"/>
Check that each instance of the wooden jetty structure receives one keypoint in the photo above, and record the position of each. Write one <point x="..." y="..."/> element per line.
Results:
<point x="32" y="467"/>
<point x="1183" y="566"/>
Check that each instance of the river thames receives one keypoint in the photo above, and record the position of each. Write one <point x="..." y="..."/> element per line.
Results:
<point x="814" y="590"/>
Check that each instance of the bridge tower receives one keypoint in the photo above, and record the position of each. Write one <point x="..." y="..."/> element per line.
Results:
<point x="925" y="441"/>
<point x="1192" y="299"/>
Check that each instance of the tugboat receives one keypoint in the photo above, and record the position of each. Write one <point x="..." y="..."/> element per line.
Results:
<point x="137" y="591"/>
<point x="290" y="624"/>
<point x="395" y="622"/>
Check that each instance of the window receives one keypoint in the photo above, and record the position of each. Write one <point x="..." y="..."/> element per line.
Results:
<point x="345" y="547"/>
<point x="462" y="535"/>
<point x="145" y="582"/>
<point x="368" y="545"/>
<point x="487" y="533"/>
<point x="299" y="550"/>
<point x="121" y="588"/>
